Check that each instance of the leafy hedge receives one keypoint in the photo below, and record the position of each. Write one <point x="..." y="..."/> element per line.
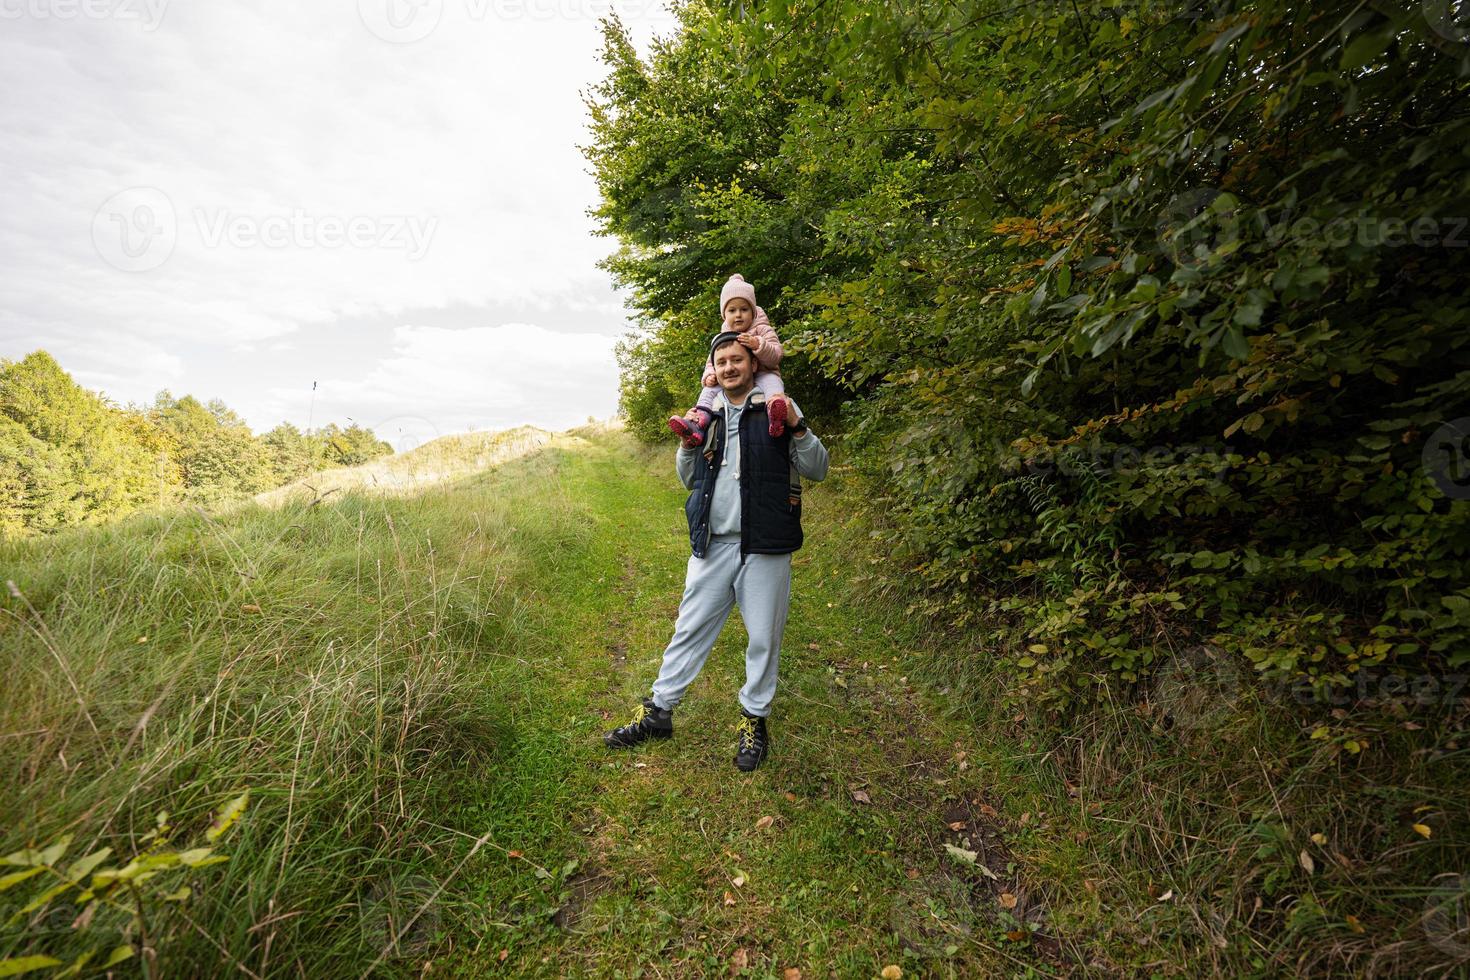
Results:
<point x="1158" y="311"/>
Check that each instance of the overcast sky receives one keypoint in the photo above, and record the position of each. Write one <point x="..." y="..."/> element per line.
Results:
<point x="236" y="198"/>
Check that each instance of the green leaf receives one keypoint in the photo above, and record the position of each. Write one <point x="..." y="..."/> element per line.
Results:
<point x="25" y="964"/>
<point x="53" y="853"/>
<point x="1365" y="48"/>
<point x="82" y="867"/>
<point x="118" y="954"/>
<point x="15" y="878"/>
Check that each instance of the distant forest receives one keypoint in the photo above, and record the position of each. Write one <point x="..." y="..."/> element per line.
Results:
<point x="68" y="456"/>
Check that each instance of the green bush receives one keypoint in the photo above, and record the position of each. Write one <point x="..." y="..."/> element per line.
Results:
<point x="1152" y="317"/>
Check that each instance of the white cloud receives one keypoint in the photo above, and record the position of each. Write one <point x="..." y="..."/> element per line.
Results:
<point x="265" y="116"/>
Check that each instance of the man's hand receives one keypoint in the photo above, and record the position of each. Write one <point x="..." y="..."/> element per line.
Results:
<point x="748" y="340"/>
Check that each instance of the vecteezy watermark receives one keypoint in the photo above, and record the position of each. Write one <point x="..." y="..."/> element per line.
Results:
<point x="1447" y="458"/>
<point x="1450" y="19"/>
<point x="1198" y="226"/>
<point x="1099" y="460"/>
<point x="301" y="229"/>
<point x="399" y="916"/>
<point x="1197" y="688"/>
<point x="407" y="21"/>
<point x="1446" y="916"/>
<point x="148" y="14"/>
<point x="933" y="915"/>
<point x="405" y="432"/>
<point x="1376" y="688"/>
<point x="137" y="229"/>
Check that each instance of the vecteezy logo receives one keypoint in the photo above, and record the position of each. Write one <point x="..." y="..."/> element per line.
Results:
<point x="1446" y="918"/>
<point x="1447" y="458"/>
<point x="1197" y="688"/>
<point x="405" y="432"/>
<point x="1198" y="227"/>
<point x="399" y="916"/>
<point x="1449" y="18"/>
<point x="401" y="21"/>
<point x="136" y="230"/>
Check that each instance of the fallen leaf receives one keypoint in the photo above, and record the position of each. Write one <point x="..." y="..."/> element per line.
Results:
<point x="861" y="795"/>
<point x="640" y="765"/>
<point x="1354" y="924"/>
<point x="515" y="854"/>
<point x="1167" y="895"/>
<point x="790" y="797"/>
<point x="1007" y="900"/>
<point x="813" y="646"/>
<point x="791" y="973"/>
<point x="989" y="811"/>
<point x="961" y="855"/>
<point x="1422" y="830"/>
<point x="1015" y="935"/>
<point x="250" y="607"/>
<point x="1025" y="819"/>
<point x="738" y="881"/>
<point x="1305" y="860"/>
<point x="892" y="972"/>
<point x="764" y="822"/>
<point x="729" y="899"/>
<point x="912" y="874"/>
<point x="740" y="960"/>
<point x="1319" y="839"/>
<point x="957" y="825"/>
<point x="987" y="872"/>
<point x="503" y="954"/>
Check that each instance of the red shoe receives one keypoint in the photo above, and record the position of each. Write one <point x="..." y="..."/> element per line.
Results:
<point x="691" y="437"/>
<point x="776" y="412"/>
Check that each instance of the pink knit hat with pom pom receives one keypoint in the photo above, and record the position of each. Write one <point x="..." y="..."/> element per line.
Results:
<point x="736" y="287"/>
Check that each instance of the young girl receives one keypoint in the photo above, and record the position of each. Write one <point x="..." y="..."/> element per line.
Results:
<point x="741" y="315"/>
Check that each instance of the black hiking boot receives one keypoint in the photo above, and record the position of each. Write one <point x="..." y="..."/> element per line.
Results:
<point x="649" y="721"/>
<point x="754" y="742"/>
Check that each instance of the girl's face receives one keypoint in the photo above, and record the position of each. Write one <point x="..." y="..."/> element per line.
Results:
<point x="739" y="315"/>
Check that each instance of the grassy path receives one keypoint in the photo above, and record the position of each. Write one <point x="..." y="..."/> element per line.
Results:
<point x="666" y="861"/>
<point x="414" y="689"/>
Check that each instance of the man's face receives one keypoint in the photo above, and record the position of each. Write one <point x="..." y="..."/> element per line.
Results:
<point x="735" y="368"/>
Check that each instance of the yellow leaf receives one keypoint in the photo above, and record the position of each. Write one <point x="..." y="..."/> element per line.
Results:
<point x="1354" y="924"/>
<point x="24" y="964"/>
<point x="1422" y="830"/>
<point x="764" y="822"/>
<point x="227" y="816"/>
<point x="1319" y="839"/>
<point x="1007" y="900"/>
<point x="892" y="972"/>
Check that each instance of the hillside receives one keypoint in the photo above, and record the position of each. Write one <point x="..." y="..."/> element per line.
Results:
<point x="411" y="688"/>
<point x="443" y="458"/>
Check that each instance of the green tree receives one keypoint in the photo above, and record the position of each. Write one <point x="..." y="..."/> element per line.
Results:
<point x="72" y="456"/>
<point x="1124" y="300"/>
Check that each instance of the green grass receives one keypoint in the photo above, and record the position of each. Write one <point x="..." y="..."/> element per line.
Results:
<point x="414" y="689"/>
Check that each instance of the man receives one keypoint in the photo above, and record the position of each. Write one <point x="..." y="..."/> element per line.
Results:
<point x="744" y="514"/>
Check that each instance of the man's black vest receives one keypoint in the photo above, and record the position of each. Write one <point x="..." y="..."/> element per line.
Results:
<point x="770" y="488"/>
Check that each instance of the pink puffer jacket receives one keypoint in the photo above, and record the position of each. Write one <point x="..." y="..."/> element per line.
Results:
<point x="768" y="354"/>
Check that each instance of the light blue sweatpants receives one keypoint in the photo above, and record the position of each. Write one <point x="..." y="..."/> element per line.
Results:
<point x="712" y="585"/>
